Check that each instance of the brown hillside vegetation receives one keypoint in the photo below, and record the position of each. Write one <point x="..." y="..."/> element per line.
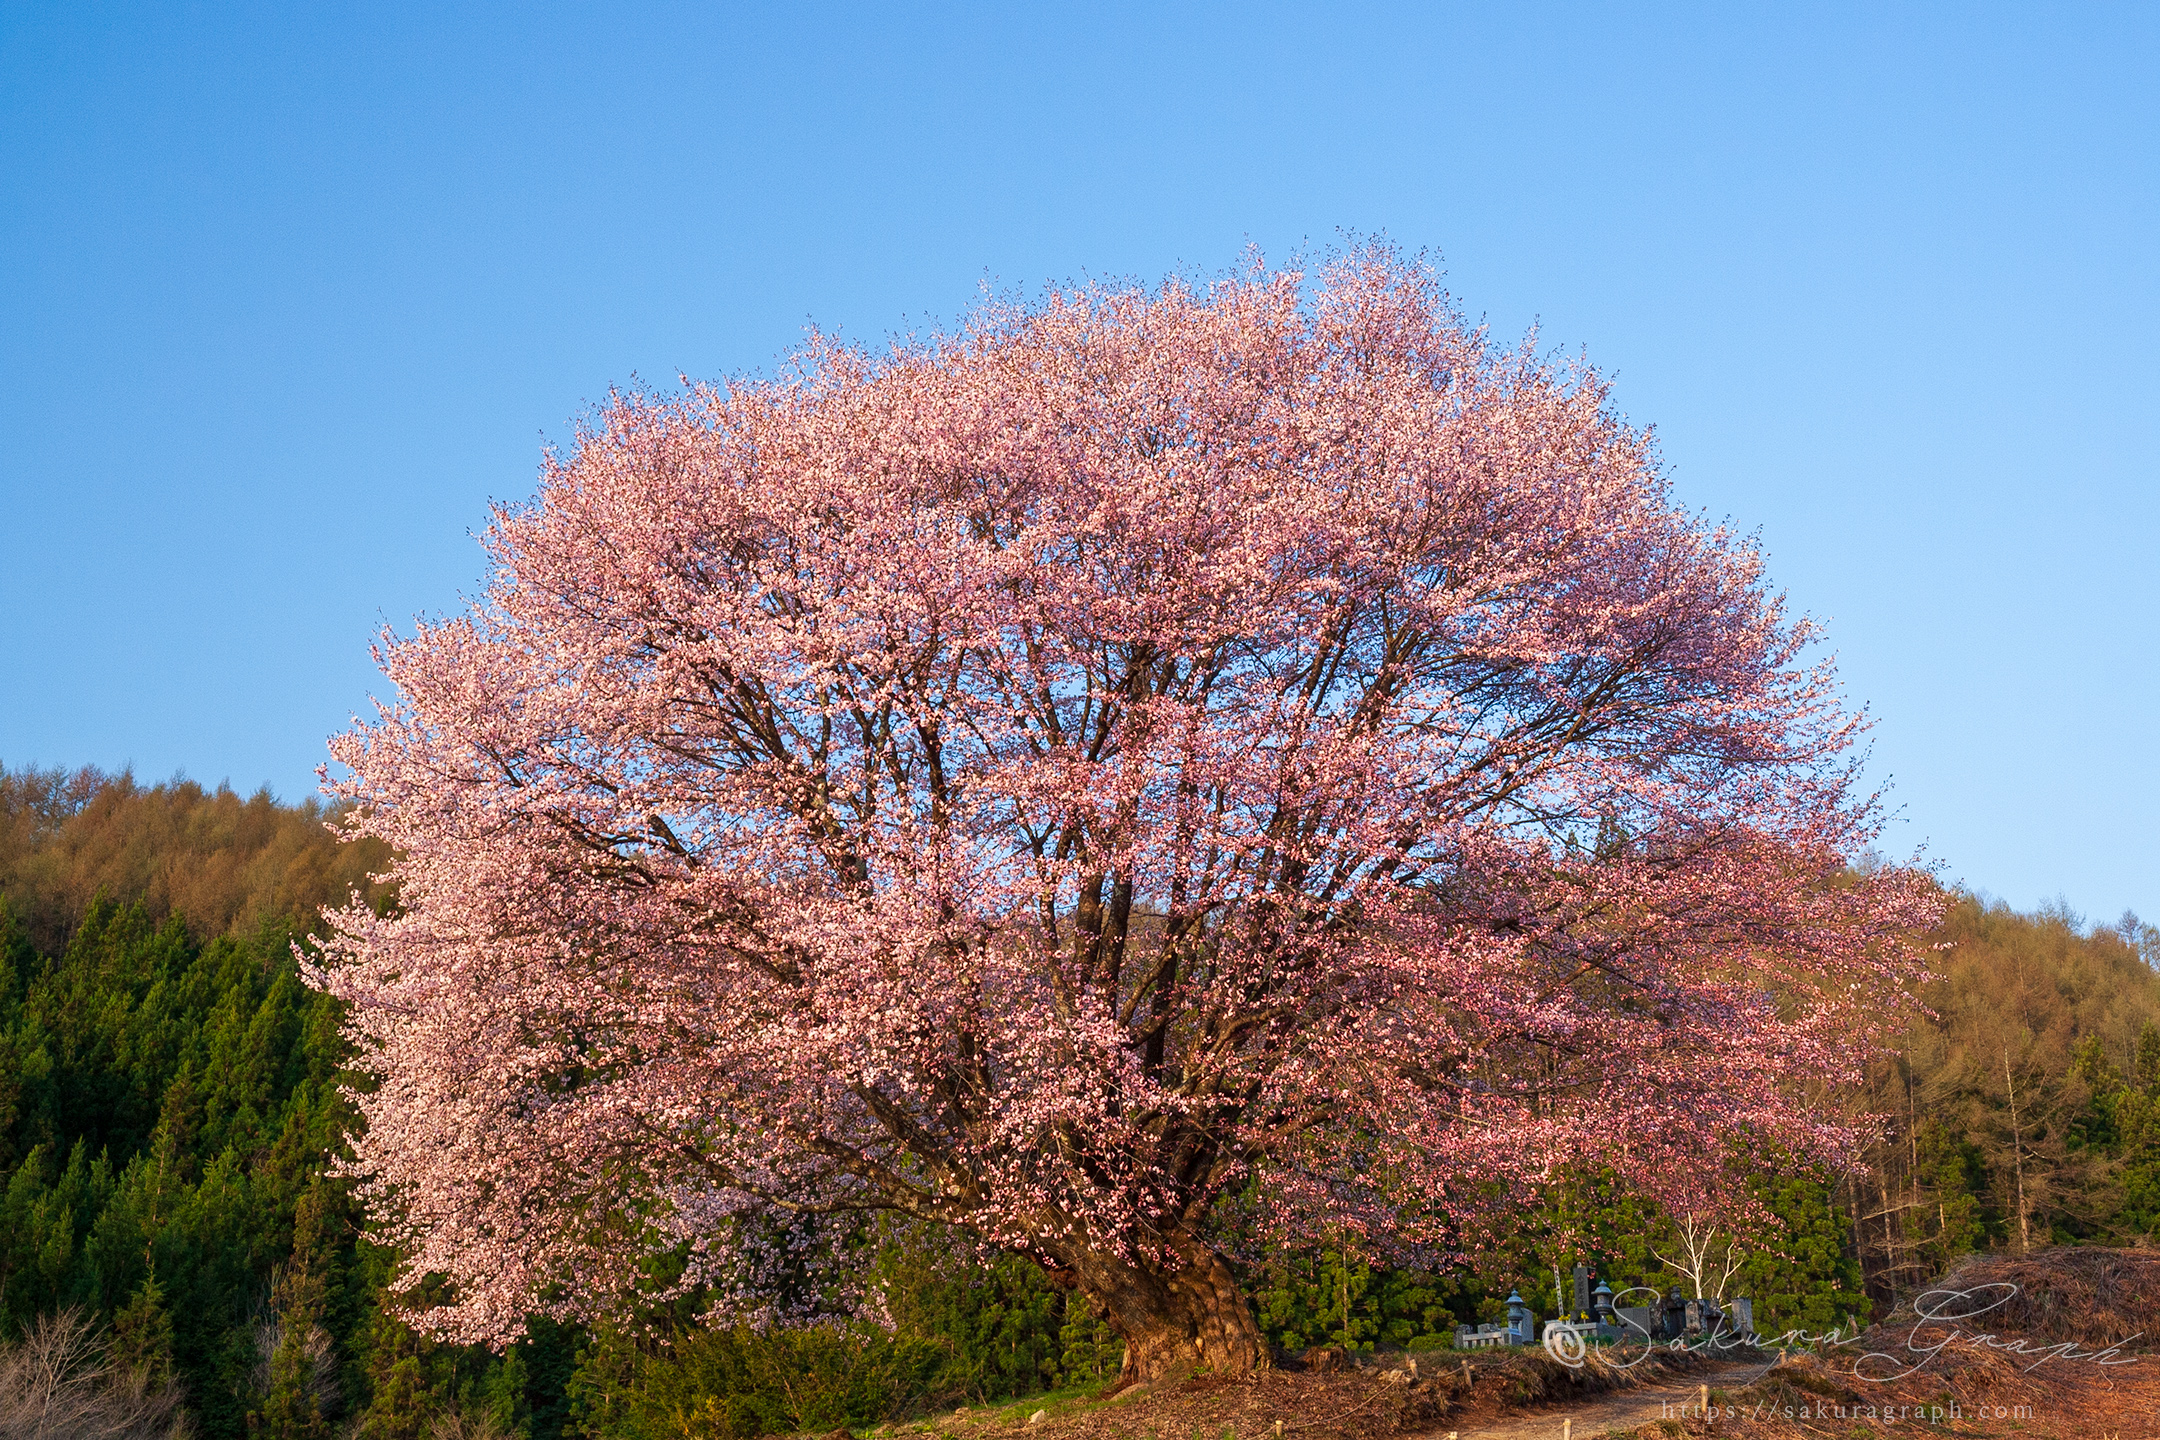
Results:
<point x="2005" y="1127"/>
<point x="2090" y="1295"/>
<point x="2069" y="1353"/>
<point x="2036" y="984"/>
<point x="222" y="862"/>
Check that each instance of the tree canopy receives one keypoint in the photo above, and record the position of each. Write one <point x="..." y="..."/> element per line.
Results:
<point x="1256" y="746"/>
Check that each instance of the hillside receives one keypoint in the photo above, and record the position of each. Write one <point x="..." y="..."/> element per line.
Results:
<point x="223" y="863"/>
<point x="2025" y="1108"/>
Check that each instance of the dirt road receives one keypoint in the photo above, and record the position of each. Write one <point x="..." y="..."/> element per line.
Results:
<point x="1615" y="1410"/>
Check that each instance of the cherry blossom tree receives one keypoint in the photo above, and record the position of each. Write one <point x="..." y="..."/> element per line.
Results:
<point x="1150" y="767"/>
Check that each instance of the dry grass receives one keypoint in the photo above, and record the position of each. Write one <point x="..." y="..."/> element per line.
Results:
<point x="2087" y="1294"/>
<point x="2088" y="1297"/>
<point x="1450" y="1391"/>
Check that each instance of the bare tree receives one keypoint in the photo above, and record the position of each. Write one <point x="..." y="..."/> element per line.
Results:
<point x="1708" y="1256"/>
<point x="460" y="1425"/>
<point x="2017" y="1157"/>
<point x="57" y="1383"/>
<point x="317" y="1356"/>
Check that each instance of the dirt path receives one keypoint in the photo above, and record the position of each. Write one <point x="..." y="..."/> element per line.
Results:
<point x="1615" y="1410"/>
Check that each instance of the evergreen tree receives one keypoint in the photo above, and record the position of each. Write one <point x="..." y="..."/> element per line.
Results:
<point x="501" y="1401"/>
<point x="293" y="1410"/>
<point x="1811" y="1281"/>
<point x="409" y="1388"/>
<point x="1950" y="1171"/>
<point x="1090" y="1352"/>
<point x="143" y="1334"/>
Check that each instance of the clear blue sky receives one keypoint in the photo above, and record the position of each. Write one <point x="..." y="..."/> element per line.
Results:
<point x="286" y="296"/>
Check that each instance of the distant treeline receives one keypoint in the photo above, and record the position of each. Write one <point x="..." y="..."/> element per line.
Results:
<point x="169" y="1112"/>
<point x="2025" y="1110"/>
<point x="223" y="863"/>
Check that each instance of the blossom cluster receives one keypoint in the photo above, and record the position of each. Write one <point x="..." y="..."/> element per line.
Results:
<point x="1257" y="744"/>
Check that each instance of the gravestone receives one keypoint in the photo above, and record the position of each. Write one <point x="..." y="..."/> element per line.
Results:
<point x="1582" y="1291"/>
<point x="1743" y="1316"/>
<point x="1483" y="1337"/>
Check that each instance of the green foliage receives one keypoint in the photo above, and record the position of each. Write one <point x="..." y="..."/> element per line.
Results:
<point x="1091" y="1351"/>
<point x="142" y="1333"/>
<point x="734" y="1381"/>
<point x="2137" y="1117"/>
<point x="1811" y="1282"/>
<point x="1800" y="1270"/>
<point x="1952" y="1170"/>
<point x="299" y="1359"/>
<point x="502" y="1399"/>
<point x="1584" y="1216"/>
<point x="2131" y="1129"/>
<point x="409" y="1382"/>
<point x="168" y="1108"/>
<point x="1327" y="1295"/>
<point x="997" y="1326"/>
<point x="962" y="1330"/>
<point x="1315" y="1297"/>
<point x="291" y="1410"/>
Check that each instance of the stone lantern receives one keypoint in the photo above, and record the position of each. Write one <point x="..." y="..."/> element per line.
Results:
<point x="1519" y="1319"/>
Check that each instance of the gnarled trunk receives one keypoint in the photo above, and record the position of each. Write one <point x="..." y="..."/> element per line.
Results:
<point x="1174" y="1320"/>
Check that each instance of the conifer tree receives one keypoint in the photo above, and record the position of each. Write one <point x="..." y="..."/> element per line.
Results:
<point x="143" y="1334"/>
<point x="293" y="1409"/>
<point x="407" y="1390"/>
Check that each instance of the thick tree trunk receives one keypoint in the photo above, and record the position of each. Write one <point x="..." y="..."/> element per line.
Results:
<point x="1178" y="1320"/>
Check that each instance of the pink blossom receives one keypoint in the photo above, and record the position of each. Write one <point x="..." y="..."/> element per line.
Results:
<point x="1261" y="740"/>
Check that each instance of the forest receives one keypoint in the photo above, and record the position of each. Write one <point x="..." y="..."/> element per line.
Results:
<point x="174" y="1110"/>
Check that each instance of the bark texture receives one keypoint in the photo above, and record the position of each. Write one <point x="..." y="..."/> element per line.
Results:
<point x="1175" y="1320"/>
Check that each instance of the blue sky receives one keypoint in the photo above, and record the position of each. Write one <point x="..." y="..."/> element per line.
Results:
<point x="287" y="295"/>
